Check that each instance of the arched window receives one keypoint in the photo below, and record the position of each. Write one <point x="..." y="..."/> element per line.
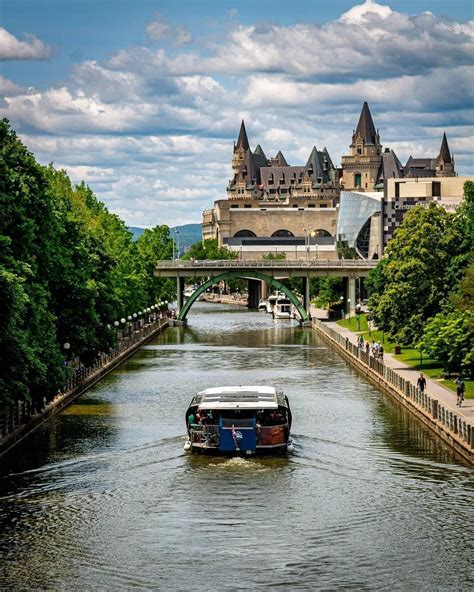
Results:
<point x="245" y="233"/>
<point x="321" y="232"/>
<point x="357" y="180"/>
<point x="282" y="233"/>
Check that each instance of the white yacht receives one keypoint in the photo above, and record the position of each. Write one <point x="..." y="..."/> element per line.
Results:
<point x="271" y="303"/>
<point x="282" y="308"/>
<point x="262" y="305"/>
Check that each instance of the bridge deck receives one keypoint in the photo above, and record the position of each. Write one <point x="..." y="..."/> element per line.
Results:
<point x="273" y="267"/>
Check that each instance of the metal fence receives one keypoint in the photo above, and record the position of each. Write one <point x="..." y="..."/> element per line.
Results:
<point x="267" y="264"/>
<point x="451" y="421"/>
<point x="23" y="412"/>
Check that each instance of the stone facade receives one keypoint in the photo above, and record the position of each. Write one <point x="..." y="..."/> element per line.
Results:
<point x="270" y="199"/>
<point x="360" y="169"/>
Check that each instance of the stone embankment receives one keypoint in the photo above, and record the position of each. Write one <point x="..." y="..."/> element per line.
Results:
<point x="17" y="423"/>
<point x="436" y="407"/>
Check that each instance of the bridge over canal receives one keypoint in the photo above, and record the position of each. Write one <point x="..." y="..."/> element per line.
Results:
<point x="262" y="274"/>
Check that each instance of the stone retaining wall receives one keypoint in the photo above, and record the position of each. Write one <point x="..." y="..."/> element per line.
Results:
<point x="451" y="426"/>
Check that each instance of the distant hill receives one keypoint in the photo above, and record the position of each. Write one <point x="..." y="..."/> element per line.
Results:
<point x="136" y="231"/>
<point x="188" y="234"/>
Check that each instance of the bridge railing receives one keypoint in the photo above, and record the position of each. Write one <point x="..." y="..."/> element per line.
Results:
<point x="266" y="264"/>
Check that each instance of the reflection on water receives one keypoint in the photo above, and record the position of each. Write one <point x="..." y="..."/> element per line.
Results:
<point x="103" y="497"/>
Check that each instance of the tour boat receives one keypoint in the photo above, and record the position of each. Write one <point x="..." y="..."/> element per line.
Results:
<point x="282" y="308"/>
<point x="262" y="305"/>
<point x="239" y="420"/>
<point x="271" y="303"/>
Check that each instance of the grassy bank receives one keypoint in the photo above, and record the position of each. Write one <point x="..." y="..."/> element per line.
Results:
<point x="410" y="356"/>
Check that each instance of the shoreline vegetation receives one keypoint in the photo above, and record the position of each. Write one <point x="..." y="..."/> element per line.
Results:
<point x="409" y="355"/>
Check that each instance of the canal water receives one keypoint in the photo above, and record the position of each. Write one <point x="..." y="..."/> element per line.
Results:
<point x="104" y="498"/>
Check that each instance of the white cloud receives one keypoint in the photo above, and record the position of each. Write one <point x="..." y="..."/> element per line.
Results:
<point x="7" y="87"/>
<point x="31" y="48"/>
<point x="160" y="29"/>
<point x="151" y="128"/>
<point x="362" y="12"/>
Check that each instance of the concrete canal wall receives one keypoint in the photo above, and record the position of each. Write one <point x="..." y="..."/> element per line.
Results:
<point x="452" y="426"/>
<point x="17" y="424"/>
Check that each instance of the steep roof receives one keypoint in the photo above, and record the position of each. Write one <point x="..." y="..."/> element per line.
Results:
<point x="318" y="165"/>
<point x="390" y="167"/>
<point x="242" y="141"/>
<point x="281" y="176"/>
<point x="281" y="159"/>
<point x="444" y="153"/>
<point x="366" y="127"/>
<point x="259" y="157"/>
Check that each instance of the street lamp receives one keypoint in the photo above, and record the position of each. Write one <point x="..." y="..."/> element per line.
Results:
<point x="175" y="233"/>
<point x="306" y="239"/>
<point x="67" y="347"/>
<point x="349" y="307"/>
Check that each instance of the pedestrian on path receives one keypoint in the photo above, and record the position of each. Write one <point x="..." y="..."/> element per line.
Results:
<point x="461" y="387"/>
<point x="367" y="347"/>
<point x="421" y="383"/>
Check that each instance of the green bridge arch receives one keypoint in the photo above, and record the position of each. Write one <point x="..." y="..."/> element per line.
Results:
<point x="258" y="275"/>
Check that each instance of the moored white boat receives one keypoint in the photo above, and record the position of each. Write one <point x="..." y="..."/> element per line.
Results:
<point x="239" y="419"/>
<point x="271" y="303"/>
<point x="282" y="308"/>
<point x="262" y="305"/>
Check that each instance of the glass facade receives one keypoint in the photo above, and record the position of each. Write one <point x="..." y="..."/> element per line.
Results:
<point x="354" y="222"/>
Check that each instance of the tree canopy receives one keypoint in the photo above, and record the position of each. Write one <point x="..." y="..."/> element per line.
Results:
<point x="68" y="270"/>
<point x="422" y="291"/>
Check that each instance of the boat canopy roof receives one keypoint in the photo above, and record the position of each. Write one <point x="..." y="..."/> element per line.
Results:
<point x="239" y="397"/>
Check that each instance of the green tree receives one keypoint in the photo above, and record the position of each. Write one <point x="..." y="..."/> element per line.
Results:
<point x="209" y="249"/>
<point x="153" y="245"/>
<point x="424" y="261"/>
<point x="450" y="339"/>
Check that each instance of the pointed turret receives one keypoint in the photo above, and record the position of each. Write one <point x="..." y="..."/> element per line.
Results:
<point x="444" y="153"/>
<point x="243" y="141"/>
<point x="315" y="166"/>
<point x="259" y="157"/>
<point x="280" y="159"/>
<point x="365" y="127"/>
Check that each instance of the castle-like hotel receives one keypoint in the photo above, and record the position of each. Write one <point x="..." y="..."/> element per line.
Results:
<point x="275" y="207"/>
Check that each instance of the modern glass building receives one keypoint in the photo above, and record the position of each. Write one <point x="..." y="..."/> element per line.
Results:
<point x="359" y="225"/>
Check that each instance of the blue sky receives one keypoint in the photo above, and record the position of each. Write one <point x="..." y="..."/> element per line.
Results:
<point x="143" y="99"/>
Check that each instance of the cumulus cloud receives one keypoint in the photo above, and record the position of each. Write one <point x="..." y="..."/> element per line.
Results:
<point x="151" y="128"/>
<point x="160" y="29"/>
<point x="31" y="48"/>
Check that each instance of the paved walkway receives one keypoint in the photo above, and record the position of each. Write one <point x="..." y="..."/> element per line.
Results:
<point x="433" y="388"/>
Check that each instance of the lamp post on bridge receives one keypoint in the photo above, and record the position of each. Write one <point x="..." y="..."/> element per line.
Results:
<point x="307" y="231"/>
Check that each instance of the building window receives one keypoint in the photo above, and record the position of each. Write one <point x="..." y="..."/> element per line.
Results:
<point x="282" y="233"/>
<point x="234" y="205"/>
<point x="321" y="232"/>
<point x="359" y="150"/>
<point x="245" y="233"/>
<point x="436" y="189"/>
<point x="247" y="205"/>
<point x="357" y="180"/>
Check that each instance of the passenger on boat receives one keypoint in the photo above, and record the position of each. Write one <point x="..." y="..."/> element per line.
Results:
<point x="192" y="421"/>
